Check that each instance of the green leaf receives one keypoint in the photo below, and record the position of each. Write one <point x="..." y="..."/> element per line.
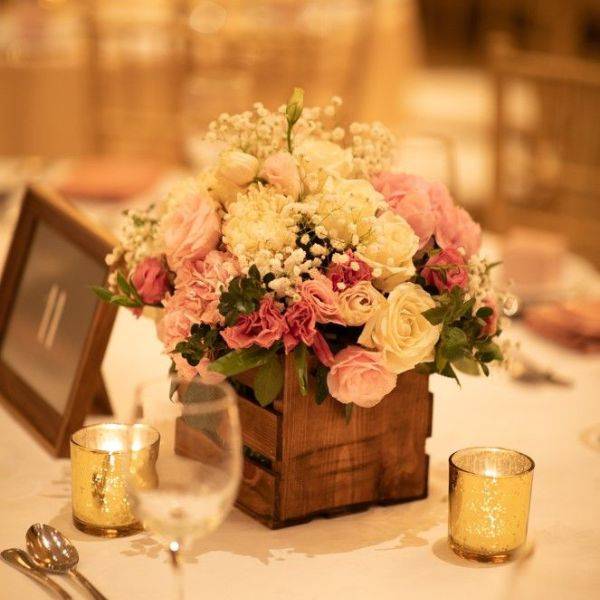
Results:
<point x="435" y="315"/>
<point x="322" y="391"/>
<point x="440" y="360"/>
<point x="454" y="341"/>
<point x="484" y="312"/>
<point x="348" y="408"/>
<point x="467" y="365"/>
<point x="124" y="301"/>
<point x="448" y="371"/>
<point x="239" y="361"/>
<point x="425" y="368"/>
<point x="268" y="381"/>
<point x="124" y="285"/>
<point x="489" y="352"/>
<point x="301" y="363"/>
<point x="102" y="293"/>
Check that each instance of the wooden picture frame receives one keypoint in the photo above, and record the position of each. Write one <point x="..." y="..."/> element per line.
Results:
<point x="47" y="221"/>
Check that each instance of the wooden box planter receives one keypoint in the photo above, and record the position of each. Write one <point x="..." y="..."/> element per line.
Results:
<point x="304" y="459"/>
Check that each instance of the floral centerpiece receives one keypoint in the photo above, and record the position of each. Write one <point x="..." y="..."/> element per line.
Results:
<point x="301" y="239"/>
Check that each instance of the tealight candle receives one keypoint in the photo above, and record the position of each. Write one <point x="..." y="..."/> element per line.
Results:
<point x="490" y="492"/>
<point x="103" y="458"/>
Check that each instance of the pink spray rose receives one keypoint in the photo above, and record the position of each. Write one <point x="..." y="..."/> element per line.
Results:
<point x="176" y="321"/>
<point x="491" y="322"/>
<point x="359" y="376"/>
<point x="281" y="171"/>
<point x="192" y="229"/>
<point x="446" y="270"/>
<point x="454" y="226"/>
<point x="349" y="272"/>
<point x="408" y="196"/>
<point x="263" y="327"/>
<point x="203" y="281"/>
<point x="301" y="322"/>
<point x="151" y="280"/>
<point x="318" y="292"/>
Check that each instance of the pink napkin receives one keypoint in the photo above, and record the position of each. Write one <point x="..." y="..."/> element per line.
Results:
<point x="573" y="323"/>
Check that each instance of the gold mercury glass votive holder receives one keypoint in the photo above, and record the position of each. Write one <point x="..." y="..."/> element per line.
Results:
<point x="489" y="498"/>
<point x="103" y="460"/>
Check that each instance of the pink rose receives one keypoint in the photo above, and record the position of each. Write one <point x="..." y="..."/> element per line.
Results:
<point x="445" y="270"/>
<point x="491" y="322"/>
<point x="322" y="350"/>
<point x="349" y="273"/>
<point x="281" y="171"/>
<point x="177" y="320"/>
<point x="319" y="294"/>
<point x="151" y="280"/>
<point x="192" y="229"/>
<point x="454" y="226"/>
<point x="187" y="372"/>
<point x="203" y="281"/>
<point x="263" y="327"/>
<point x="301" y="322"/>
<point x="359" y="376"/>
<point x="408" y="196"/>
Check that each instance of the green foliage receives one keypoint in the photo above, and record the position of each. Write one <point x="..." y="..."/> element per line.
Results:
<point x="203" y="341"/>
<point x="321" y="391"/>
<point x="243" y="295"/>
<point x="269" y="380"/>
<point x="126" y="296"/>
<point x="238" y="361"/>
<point x="301" y="364"/>
<point x="461" y="345"/>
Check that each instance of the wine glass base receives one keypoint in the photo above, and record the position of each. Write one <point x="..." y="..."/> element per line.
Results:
<point x="107" y="532"/>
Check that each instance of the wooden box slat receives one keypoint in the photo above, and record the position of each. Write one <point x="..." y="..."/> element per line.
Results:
<point x="259" y="428"/>
<point x="257" y="493"/>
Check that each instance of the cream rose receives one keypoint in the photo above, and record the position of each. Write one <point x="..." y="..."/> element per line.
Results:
<point x="320" y="158"/>
<point x="389" y="251"/>
<point x="359" y="303"/>
<point x="400" y="331"/>
<point x="347" y="209"/>
<point x="237" y="167"/>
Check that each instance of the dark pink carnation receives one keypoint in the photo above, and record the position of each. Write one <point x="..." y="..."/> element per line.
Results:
<point x="349" y="273"/>
<point x="151" y="280"/>
<point x="301" y="325"/>
<point x="445" y="270"/>
<point x="263" y="327"/>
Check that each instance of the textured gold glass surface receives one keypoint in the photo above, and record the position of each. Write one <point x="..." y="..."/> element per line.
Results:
<point x="102" y="458"/>
<point x="490" y="492"/>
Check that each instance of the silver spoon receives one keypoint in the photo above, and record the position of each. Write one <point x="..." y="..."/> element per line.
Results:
<point x="20" y="560"/>
<point x="52" y="551"/>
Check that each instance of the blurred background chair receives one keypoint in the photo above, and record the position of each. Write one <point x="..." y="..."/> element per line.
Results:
<point x="547" y="147"/>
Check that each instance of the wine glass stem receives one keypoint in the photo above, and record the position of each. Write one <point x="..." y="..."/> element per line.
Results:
<point x="174" y="551"/>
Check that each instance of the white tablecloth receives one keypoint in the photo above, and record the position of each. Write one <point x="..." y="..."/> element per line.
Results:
<point x="384" y="553"/>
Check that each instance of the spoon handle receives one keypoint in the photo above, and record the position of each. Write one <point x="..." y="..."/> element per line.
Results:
<point x="87" y="585"/>
<point x="15" y="559"/>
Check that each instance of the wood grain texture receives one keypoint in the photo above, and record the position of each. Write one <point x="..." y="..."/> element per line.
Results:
<point x="259" y="428"/>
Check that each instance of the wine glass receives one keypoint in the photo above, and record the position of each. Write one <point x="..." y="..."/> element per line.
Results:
<point x="197" y="473"/>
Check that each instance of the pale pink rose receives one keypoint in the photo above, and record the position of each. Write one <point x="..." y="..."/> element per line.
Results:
<point x="454" y="226"/>
<point x="192" y="229"/>
<point x="408" y="196"/>
<point x="263" y="327"/>
<point x="359" y="376"/>
<point x="206" y="375"/>
<point x="491" y="323"/>
<point x="445" y="270"/>
<point x="322" y="350"/>
<point x="151" y="280"/>
<point x="349" y="273"/>
<point x="318" y="292"/>
<point x="203" y="281"/>
<point x="301" y="323"/>
<point x="281" y="171"/>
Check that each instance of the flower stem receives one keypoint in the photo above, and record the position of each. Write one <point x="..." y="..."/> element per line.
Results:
<point x="174" y="548"/>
